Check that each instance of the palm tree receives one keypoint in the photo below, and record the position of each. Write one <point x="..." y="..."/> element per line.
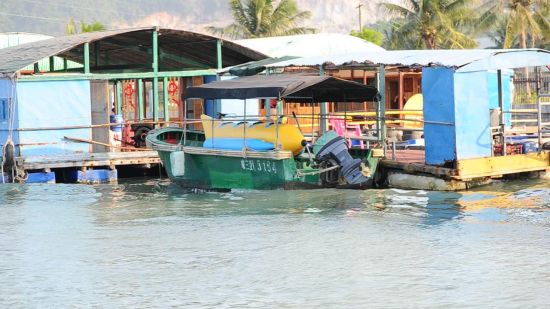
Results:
<point x="262" y="18"/>
<point x="432" y="24"/>
<point x="525" y="19"/>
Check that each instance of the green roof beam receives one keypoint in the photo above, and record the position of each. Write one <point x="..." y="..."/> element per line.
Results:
<point x="114" y="76"/>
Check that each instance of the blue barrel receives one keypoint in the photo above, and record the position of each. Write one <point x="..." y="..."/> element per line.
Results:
<point x="118" y="120"/>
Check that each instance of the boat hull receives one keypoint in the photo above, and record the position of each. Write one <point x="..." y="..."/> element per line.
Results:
<point x="227" y="172"/>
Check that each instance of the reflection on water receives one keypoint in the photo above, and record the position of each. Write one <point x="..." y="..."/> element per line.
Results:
<point x="149" y="243"/>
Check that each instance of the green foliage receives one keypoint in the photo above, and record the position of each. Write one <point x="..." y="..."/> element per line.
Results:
<point x="70" y="27"/>
<point x="525" y="22"/>
<point x="263" y="18"/>
<point x="430" y="24"/>
<point x="93" y="27"/>
<point x="370" y="35"/>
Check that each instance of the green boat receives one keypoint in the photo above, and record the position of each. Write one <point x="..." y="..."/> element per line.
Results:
<point x="195" y="160"/>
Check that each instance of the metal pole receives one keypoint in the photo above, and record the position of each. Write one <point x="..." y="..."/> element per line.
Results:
<point x="279" y="103"/>
<point x="539" y="110"/>
<point x="501" y="106"/>
<point x="381" y="110"/>
<point x="322" y="109"/>
<point x="244" y="126"/>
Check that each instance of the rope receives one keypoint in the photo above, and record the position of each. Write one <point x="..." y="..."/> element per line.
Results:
<point x="299" y="173"/>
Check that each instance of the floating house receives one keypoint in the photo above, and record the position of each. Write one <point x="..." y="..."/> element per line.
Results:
<point x="469" y="136"/>
<point x="56" y="113"/>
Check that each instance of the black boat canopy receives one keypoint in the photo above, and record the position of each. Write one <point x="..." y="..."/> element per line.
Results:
<point x="288" y="87"/>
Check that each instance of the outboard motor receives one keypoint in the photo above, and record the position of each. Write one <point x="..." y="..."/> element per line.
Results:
<point x="336" y="150"/>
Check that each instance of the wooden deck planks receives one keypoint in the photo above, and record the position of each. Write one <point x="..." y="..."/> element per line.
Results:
<point x="89" y="160"/>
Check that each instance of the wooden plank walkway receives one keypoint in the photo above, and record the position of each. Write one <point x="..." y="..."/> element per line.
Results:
<point x="88" y="160"/>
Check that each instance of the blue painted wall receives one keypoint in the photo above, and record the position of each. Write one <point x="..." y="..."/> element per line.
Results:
<point x="492" y="79"/>
<point x="472" y="115"/>
<point x="7" y="90"/>
<point x="438" y="92"/>
<point x="54" y="104"/>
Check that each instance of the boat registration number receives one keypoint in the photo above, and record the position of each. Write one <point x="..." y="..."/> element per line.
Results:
<point x="259" y="166"/>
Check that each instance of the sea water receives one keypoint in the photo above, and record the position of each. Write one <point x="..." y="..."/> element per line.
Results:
<point x="148" y="243"/>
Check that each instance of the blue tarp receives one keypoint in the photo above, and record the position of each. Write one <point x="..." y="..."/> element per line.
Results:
<point x="472" y="115"/>
<point x="49" y="104"/>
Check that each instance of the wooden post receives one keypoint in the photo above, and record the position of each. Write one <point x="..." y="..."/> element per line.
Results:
<point x="140" y="98"/>
<point x="401" y="91"/>
<point x="322" y="110"/>
<point x="219" y="54"/>
<point x="119" y="97"/>
<point x="381" y="117"/>
<point x="155" y="78"/>
<point x="86" y="58"/>
<point x="166" y="99"/>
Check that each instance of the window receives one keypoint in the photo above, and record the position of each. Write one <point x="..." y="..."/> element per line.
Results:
<point x="4" y="109"/>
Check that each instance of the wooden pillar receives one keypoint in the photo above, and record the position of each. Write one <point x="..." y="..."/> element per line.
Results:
<point x="166" y="99"/>
<point x="322" y="110"/>
<point x="155" y="78"/>
<point x="219" y="54"/>
<point x="381" y="109"/>
<point x="119" y="97"/>
<point x="401" y="92"/>
<point x="140" y="98"/>
<point x="86" y="58"/>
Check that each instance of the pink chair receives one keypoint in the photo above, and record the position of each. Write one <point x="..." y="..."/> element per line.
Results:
<point x="346" y="130"/>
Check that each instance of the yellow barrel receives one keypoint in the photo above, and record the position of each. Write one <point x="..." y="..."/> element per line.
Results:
<point x="290" y="137"/>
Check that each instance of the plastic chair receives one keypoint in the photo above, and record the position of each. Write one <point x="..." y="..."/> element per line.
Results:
<point x="346" y="130"/>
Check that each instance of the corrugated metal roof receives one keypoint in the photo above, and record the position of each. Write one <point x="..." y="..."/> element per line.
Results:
<point x="183" y="49"/>
<point x="308" y="45"/>
<point x="10" y="39"/>
<point x="464" y="59"/>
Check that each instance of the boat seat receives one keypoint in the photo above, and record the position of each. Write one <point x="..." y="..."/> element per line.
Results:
<point x="225" y="123"/>
<point x="254" y="123"/>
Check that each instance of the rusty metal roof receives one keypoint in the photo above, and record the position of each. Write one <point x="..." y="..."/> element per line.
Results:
<point x="464" y="60"/>
<point x="178" y="50"/>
